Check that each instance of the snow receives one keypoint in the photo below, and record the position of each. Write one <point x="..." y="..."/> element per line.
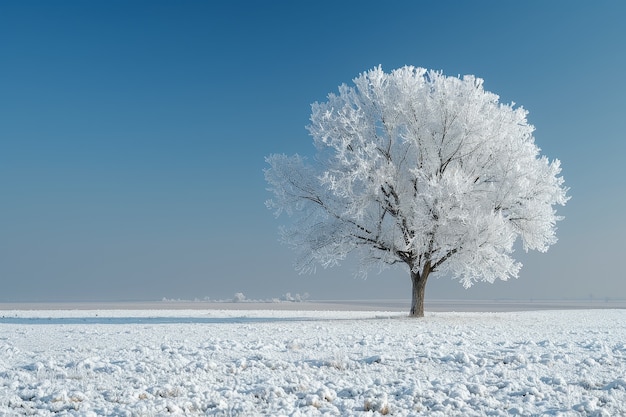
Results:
<point x="309" y="363"/>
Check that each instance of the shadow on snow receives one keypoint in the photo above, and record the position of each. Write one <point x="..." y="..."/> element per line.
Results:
<point x="147" y="320"/>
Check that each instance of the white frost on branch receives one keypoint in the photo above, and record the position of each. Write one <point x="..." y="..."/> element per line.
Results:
<point x="419" y="168"/>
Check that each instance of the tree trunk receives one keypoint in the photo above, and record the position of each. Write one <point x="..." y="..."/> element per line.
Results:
<point x="419" y="287"/>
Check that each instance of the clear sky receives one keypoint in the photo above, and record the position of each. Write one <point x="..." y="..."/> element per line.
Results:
<point x="133" y="137"/>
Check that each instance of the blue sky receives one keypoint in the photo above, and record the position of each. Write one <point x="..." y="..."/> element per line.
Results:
<point x="133" y="137"/>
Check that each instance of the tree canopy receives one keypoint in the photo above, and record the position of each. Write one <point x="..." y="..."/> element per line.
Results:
<point x="417" y="168"/>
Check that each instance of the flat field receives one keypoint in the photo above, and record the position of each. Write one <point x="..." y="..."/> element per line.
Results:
<point x="308" y="363"/>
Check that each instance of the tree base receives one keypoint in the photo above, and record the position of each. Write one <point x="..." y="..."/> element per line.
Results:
<point x="419" y="289"/>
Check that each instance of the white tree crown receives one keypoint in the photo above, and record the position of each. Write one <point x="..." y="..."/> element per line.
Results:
<point x="419" y="168"/>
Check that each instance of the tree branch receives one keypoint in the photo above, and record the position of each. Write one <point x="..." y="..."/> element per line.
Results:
<point x="445" y="258"/>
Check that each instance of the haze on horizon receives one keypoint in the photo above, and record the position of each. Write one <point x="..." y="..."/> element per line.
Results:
<point x="133" y="138"/>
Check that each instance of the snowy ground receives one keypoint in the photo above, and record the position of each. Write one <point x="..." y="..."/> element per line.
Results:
<point x="308" y="363"/>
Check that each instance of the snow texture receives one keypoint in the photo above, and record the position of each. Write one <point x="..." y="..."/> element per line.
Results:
<point x="307" y="363"/>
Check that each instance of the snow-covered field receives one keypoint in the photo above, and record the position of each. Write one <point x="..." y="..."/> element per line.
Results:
<point x="308" y="363"/>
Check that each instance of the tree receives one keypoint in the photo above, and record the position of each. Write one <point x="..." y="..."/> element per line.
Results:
<point x="417" y="168"/>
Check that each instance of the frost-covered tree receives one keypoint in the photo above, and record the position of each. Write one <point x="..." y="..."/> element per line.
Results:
<point x="417" y="168"/>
